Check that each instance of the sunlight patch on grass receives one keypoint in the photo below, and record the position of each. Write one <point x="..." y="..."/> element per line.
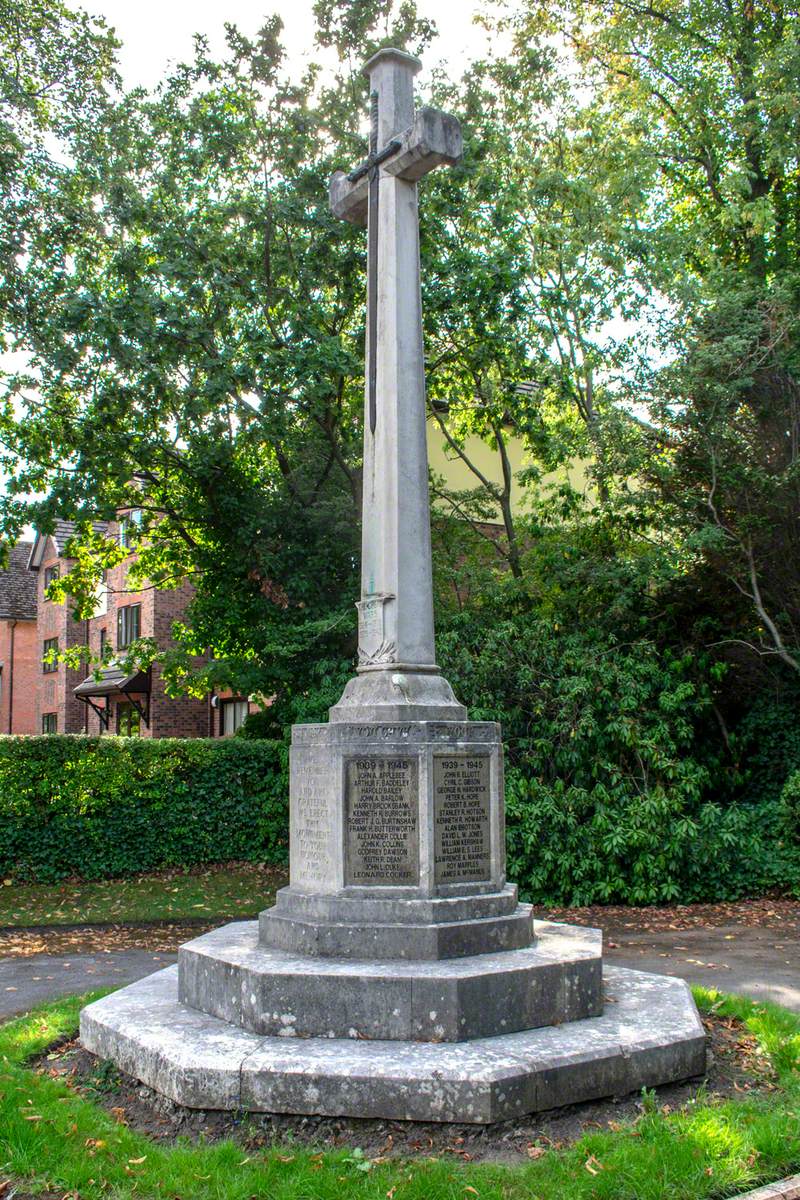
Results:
<point x="777" y="1029"/>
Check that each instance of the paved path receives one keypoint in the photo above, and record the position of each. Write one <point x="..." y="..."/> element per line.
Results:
<point x="759" y="962"/>
<point x="38" y="977"/>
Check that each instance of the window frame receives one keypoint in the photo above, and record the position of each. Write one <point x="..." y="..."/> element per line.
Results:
<point x="123" y="621"/>
<point x="46" y="717"/>
<point x="127" y="521"/>
<point x="232" y="703"/>
<point x="48" y="644"/>
<point x="128" y="714"/>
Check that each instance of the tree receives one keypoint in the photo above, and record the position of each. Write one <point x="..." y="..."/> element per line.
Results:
<point x="530" y="289"/>
<point x="711" y="91"/>
<point x="56" y="77"/>
<point x="199" y="355"/>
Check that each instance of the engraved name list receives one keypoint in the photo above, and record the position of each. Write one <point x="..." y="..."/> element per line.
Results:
<point x="382" y="824"/>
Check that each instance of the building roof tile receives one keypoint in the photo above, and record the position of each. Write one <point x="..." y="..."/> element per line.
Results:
<point x="18" y="586"/>
<point x="62" y="532"/>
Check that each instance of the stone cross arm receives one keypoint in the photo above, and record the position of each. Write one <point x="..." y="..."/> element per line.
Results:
<point x="434" y="138"/>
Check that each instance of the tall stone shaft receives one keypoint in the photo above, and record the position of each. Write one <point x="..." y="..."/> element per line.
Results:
<point x="396" y="539"/>
<point x="397" y="675"/>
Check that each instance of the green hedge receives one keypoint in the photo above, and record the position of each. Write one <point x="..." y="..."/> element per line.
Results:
<point x="107" y="807"/>
<point x="616" y="791"/>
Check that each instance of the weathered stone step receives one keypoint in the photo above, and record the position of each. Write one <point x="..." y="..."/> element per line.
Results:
<point x="650" y="1035"/>
<point x="227" y="974"/>
<point x="433" y="940"/>
<point x="358" y="905"/>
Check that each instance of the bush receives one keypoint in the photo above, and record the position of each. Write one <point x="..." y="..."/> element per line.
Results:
<point x="107" y="807"/>
<point x="616" y="790"/>
<point x="768" y="742"/>
<point x="790" y="809"/>
<point x="567" y="846"/>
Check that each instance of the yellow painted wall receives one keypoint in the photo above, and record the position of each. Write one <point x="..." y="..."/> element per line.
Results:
<point x="444" y="461"/>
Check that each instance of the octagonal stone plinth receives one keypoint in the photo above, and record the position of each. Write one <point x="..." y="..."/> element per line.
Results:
<point x="344" y="925"/>
<point x="650" y="1035"/>
<point x="227" y="974"/>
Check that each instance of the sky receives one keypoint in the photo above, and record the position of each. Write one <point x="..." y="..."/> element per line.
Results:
<point x="156" y="32"/>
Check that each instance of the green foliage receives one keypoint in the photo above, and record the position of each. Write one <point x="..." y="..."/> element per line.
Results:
<point x="193" y="348"/>
<point x="109" y="807"/>
<point x="56" y="73"/>
<point x="768" y="744"/>
<point x="615" y="790"/>
<point x="621" y="238"/>
<point x="305" y="703"/>
<point x="790" y="803"/>
<point x="707" y="94"/>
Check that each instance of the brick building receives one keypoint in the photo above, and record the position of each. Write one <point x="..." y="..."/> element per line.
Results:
<point x="69" y="701"/>
<point x="19" y="653"/>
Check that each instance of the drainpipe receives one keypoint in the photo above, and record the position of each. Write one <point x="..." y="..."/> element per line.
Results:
<point x="209" y="704"/>
<point x="11" y="679"/>
<point x="86" y="706"/>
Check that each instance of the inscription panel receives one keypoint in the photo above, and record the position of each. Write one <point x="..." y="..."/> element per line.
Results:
<point x="312" y="862"/>
<point x="461" y="816"/>
<point x="382" y="822"/>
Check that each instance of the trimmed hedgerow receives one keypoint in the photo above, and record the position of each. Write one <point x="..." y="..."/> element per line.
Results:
<point x="105" y="807"/>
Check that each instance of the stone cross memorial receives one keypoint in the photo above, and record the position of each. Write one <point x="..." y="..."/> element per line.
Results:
<point x="397" y="975"/>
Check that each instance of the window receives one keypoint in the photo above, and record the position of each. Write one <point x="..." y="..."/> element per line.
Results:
<point x="129" y="523"/>
<point x="50" y="574"/>
<point x="49" y="723"/>
<point x="129" y="625"/>
<point x="49" y="646"/>
<point x="101" y="596"/>
<point x="128" y="719"/>
<point x="103" y="641"/>
<point x="233" y="715"/>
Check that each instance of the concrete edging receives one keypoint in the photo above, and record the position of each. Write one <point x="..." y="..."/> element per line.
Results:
<point x="784" y="1189"/>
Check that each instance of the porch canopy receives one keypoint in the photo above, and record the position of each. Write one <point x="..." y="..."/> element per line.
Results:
<point x="114" y="681"/>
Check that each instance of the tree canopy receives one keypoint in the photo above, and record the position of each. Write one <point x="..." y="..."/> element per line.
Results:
<point x="610" y="277"/>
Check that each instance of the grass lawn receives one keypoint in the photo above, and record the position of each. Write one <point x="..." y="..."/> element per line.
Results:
<point x="52" y="1138"/>
<point x="239" y="890"/>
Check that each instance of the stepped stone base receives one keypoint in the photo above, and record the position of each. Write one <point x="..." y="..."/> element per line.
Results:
<point x="226" y="973"/>
<point x="650" y="1035"/>
<point x="409" y="929"/>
